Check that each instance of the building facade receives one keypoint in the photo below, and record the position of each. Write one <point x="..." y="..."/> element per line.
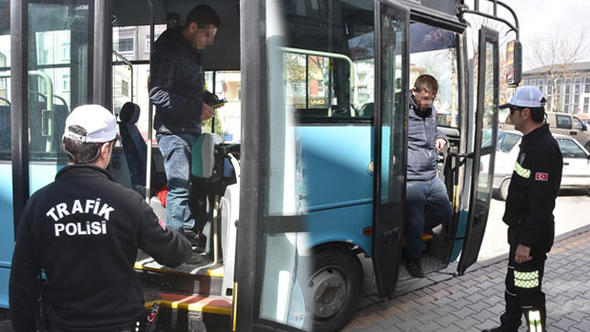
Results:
<point x="567" y="88"/>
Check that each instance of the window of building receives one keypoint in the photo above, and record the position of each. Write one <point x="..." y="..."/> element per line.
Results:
<point x="65" y="82"/>
<point x="147" y="41"/>
<point x="125" y="45"/>
<point x="586" y="104"/>
<point x="65" y="51"/>
<point x="124" y="88"/>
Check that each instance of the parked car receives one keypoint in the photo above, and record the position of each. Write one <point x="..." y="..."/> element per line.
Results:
<point x="566" y="124"/>
<point x="576" y="162"/>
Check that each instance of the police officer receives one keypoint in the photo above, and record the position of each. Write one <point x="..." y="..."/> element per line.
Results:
<point x="80" y="234"/>
<point x="529" y="211"/>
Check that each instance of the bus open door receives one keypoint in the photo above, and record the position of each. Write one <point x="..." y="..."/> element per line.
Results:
<point x="486" y="131"/>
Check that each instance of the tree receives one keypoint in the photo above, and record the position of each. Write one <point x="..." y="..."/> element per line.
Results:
<point x="556" y="56"/>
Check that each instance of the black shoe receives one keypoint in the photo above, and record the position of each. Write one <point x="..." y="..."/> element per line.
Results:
<point x="197" y="240"/>
<point x="414" y="268"/>
<point x="195" y="259"/>
<point x="498" y="329"/>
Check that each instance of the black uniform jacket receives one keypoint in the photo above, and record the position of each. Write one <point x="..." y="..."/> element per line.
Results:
<point x="83" y="232"/>
<point x="177" y="84"/>
<point x="533" y="189"/>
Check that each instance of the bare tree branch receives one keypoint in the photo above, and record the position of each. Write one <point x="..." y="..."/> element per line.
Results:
<point x="556" y="57"/>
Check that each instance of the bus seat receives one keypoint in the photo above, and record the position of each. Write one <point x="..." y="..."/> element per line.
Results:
<point x="4" y="128"/>
<point x="367" y="111"/>
<point x="61" y="112"/>
<point x="203" y="155"/>
<point x="133" y="144"/>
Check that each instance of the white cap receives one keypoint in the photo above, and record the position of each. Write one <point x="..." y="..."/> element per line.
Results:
<point x="99" y="123"/>
<point x="526" y="96"/>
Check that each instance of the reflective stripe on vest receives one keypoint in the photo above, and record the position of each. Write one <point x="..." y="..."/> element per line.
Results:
<point x="526" y="279"/>
<point x="521" y="171"/>
<point x="535" y="321"/>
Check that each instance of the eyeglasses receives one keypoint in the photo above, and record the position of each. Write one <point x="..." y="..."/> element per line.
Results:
<point x="514" y="109"/>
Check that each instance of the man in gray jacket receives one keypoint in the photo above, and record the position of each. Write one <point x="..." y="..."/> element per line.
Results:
<point x="427" y="202"/>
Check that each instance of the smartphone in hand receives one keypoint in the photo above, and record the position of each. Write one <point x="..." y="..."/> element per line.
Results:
<point x="219" y="103"/>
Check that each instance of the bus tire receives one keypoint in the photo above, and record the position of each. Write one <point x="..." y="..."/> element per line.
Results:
<point x="332" y="289"/>
<point x="503" y="191"/>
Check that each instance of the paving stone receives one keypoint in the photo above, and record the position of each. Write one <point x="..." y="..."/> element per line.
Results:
<point x="463" y="313"/>
<point x="475" y="300"/>
<point x="565" y="323"/>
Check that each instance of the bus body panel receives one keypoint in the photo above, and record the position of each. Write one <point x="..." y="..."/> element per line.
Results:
<point x="335" y="166"/>
<point x="6" y="228"/>
<point x="341" y="225"/>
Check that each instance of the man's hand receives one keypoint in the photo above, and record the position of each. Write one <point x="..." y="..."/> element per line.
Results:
<point x="207" y="112"/>
<point x="523" y="254"/>
<point x="440" y="144"/>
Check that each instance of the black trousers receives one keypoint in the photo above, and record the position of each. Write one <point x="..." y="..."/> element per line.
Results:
<point x="523" y="290"/>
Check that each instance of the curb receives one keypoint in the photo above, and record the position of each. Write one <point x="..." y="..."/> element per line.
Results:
<point x="502" y="257"/>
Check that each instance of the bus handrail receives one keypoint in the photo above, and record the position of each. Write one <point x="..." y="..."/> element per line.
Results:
<point x="6" y="101"/>
<point x="331" y="55"/>
<point x="464" y="9"/>
<point x="148" y="165"/>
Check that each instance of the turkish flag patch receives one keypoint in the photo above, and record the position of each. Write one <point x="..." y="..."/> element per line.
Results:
<point x="542" y="176"/>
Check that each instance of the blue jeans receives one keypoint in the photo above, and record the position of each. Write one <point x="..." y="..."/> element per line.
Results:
<point x="427" y="205"/>
<point x="176" y="150"/>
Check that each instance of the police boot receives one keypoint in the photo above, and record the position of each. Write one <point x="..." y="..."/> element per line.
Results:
<point x="498" y="329"/>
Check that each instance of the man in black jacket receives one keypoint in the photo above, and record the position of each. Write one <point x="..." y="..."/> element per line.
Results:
<point x="78" y="237"/>
<point x="177" y="88"/>
<point x="529" y="211"/>
<point x="424" y="188"/>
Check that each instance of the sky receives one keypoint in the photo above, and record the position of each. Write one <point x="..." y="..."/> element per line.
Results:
<point x="548" y="20"/>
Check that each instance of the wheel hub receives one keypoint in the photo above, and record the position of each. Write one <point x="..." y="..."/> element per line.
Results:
<point x="327" y="289"/>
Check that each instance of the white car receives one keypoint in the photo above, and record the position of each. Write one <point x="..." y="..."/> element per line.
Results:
<point x="576" y="162"/>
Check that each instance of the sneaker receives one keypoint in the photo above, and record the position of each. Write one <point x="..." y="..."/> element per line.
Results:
<point x="414" y="268"/>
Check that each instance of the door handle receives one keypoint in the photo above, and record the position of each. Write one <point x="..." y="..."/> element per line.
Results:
<point x="566" y="163"/>
<point x="573" y="132"/>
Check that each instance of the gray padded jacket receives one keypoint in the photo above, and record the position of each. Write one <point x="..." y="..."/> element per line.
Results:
<point x="422" y="134"/>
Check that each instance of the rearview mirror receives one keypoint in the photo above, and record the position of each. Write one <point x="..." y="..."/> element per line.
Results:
<point x="514" y="62"/>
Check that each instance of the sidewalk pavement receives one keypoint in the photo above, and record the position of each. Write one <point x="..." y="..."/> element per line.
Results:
<point x="475" y="300"/>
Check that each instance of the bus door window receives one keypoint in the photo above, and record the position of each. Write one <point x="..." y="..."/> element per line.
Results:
<point x="225" y="85"/>
<point x="433" y="51"/>
<point x="5" y="145"/>
<point x="60" y="36"/>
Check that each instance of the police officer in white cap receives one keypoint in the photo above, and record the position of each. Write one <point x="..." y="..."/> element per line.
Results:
<point x="529" y="211"/>
<point x="81" y="234"/>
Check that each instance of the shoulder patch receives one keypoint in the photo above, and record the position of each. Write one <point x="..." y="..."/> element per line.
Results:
<point x="542" y="176"/>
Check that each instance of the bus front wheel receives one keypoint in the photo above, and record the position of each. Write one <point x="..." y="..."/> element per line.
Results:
<point x="332" y="289"/>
